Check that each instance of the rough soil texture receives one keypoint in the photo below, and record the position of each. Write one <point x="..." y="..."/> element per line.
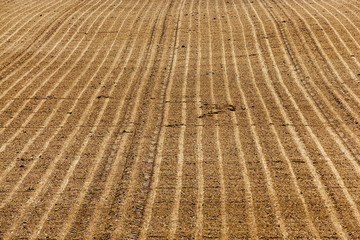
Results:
<point x="179" y="119"/>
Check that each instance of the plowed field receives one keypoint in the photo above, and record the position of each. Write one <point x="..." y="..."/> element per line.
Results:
<point x="179" y="119"/>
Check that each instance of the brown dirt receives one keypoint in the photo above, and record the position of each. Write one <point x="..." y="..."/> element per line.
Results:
<point x="188" y="119"/>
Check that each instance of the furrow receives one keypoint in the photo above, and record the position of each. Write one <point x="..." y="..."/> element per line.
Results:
<point x="355" y="41"/>
<point x="8" y="9"/>
<point x="191" y="119"/>
<point x="199" y="137"/>
<point x="334" y="95"/>
<point x="339" y="38"/>
<point x="322" y="113"/>
<point x="53" y="113"/>
<point x="331" y="164"/>
<point x="174" y="218"/>
<point x="148" y="211"/>
<point x="23" y="12"/>
<point x="348" y="10"/>
<point x="71" y="217"/>
<point x="14" y="12"/>
<point x="310" y="224"/>
<point x="42" y="85"/>
<point x="122" y="142"/>
<point x="269" y="180"/>
<point x="352" y="3"/>
<point x="220" y="160"/>
<point x="48" y="172"/>
<point x="125" y="97"/>
<point x="24" y="60"/>
<point x="339" y="140"/>
<point x="21" y="44"/>
<point x="320" y="47"/>
<point x="133" y="188"/>
<point x="330" y="205"/>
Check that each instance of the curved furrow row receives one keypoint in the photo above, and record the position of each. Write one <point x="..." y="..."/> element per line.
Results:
<point x="148" y="219"/>
<point x="277" y="163"/>
<point x="271" y="221"/>
<point x="348" y="15"/>
<point x="15" y="48"/>
<point x="175" y="212"/>
<point x="327" y="114"/>
<point x="46" y="51"/>
<point x="14" y="78"/>
<point x="346" y="11"/>
<point x="65" y="74"/>
<point x="333" y="94"/>
<point x="353" y="4"/>
<point x="183" y="120"/>
<point x="346" y="148"/>
<point x="144" y="90"/>
<point x="339" y="21"/>
<point x="134" y="172"/>
<point x="118" y="119"/>
<point x="51" y="115"/>
<point x="26" y="23"/>
<point x="12" y="7"/>
<point x="352" y="157"/>
<point x="192" y="119"/>
<point x="216" y="164"/>
<point x="252" y="125"/>
<point x="233" y="79"/>
<point x="38" y="91"/>
<point x="19" y="14"/>
<point x="199" y="211"/>
<point x="320" y="113"/>
<point x="29" y="119"/>
<point x="341" y="81"/>
<point x="133" y="189"/>
<point x="260" y="152"/>
<point x="213" y="100"/>
<point x="319" y="102"/>
<point x="348" y="156"/>
<point x="210" y="190"/>
<point x="49" y="170"/>
<point x="13" y="12"/>
<point x="245" y="100"/>
<point x="51" y="62"/>
<point x="89" y="178"/>
<point x="275" y="94"/>
<point x="339" y="38"/>
<point x="342" y="148"/>
<point x="340" y="96"/>
<point x="319" y="105"/>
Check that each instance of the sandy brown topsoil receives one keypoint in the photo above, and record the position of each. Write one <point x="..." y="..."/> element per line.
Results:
<point x="179" y="119"/>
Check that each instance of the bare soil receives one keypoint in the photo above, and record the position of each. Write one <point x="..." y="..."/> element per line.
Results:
<point x="186" y="119"/>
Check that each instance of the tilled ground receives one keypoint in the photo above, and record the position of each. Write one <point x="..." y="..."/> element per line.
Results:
<point x="179" y="119"/>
